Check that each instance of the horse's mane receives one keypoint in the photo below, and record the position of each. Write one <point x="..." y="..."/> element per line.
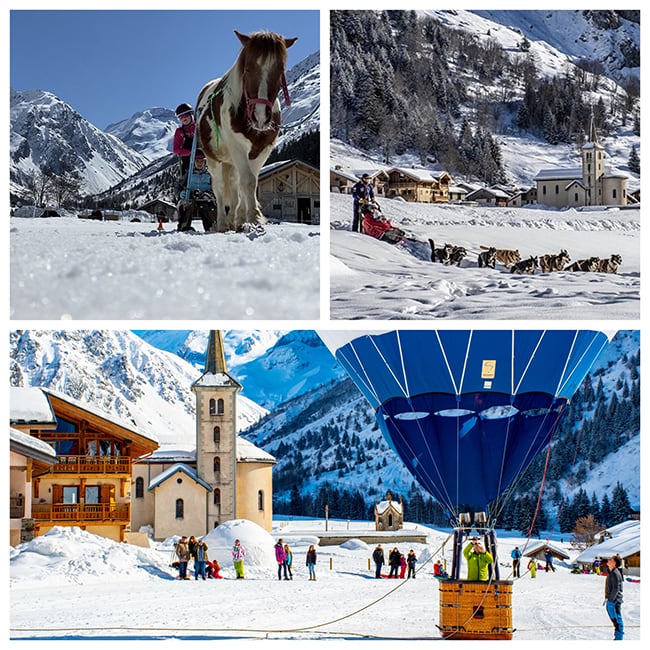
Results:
<point x="265" y="43"/>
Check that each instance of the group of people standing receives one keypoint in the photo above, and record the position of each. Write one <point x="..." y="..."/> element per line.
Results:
<point x="398" y="562"/>
<point x="284" y="558"/>
<point x="196" y="550"/>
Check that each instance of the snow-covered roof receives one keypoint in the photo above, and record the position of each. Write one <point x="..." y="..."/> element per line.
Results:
<point x="214" y="379"/>
<point x="418" y="173"/>
<point x="29" y="405"/>
<point x="26" y="442"/>
<point x="625" y="540"/>
<point x="248" y="452"/>
<point x="559" y="173"/>
<point x="109" y="417"/>
<point x="382" y="506"/>
<point x="536" y="548"/>
<point x="175" y="469"/>
<point x="340" y="172"/>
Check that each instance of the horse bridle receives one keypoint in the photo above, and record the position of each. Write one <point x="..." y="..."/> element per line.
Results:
<point x="251" y="101"/>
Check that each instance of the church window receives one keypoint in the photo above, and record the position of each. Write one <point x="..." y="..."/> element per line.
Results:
<point x="557" y="189"/>
<point x="220" y="407"/>
<point x="213" y="407"/>
<point x="180" y="509"/>
<point x="544" y="190"/>
<point x="614" y="193"/>
<point x="575" y="197"/>
<point x="217" y="497"/>
<point x="217" y="465"/>
<point x="260" y="500"/>
<point x="390" y="521"/>
<point x="139" y="487"/>
<point x="216" y="435"/>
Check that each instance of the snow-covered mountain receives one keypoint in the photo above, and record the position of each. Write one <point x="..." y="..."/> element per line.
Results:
<point x="121" y="374"/>
<point x="273" y="366"/>
<point x="326" y="434"/>
<point x="303" y="114"/>
<point x="131" y="153"/>
<point x="47" y="132"/>
<point x="480" y="69"/>
<point x="150" y="132"/>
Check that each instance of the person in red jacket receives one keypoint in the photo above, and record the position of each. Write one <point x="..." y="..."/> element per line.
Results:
<point x="373" y="223"/>
<point x="184" y="135"/>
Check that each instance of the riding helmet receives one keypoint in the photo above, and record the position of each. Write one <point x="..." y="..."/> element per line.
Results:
<point x="183" y="108"/>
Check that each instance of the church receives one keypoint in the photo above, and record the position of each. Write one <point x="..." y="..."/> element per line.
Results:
<point x="227" y="477"/>
<point x="593" y="183"/>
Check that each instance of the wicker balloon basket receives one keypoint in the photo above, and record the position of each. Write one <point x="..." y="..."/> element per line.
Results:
<point x="476" y="610"/>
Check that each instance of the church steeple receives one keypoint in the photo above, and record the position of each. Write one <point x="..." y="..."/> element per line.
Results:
<point x="215" y="358"/>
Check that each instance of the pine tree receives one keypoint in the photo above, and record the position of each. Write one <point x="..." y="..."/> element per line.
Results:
<point x="621" y="509"/>
<point x="633" y="162"/>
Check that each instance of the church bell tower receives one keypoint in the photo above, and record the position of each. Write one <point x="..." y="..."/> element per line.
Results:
<point x="216" y="433"/>
<point x="593" y="165"/>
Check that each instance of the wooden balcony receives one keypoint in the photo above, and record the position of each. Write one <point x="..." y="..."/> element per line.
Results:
<point x="82" y="514"/>
<point x="92" y="465"/>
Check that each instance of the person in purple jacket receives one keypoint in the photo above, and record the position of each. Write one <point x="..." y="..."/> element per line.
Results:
<point x="281" y="559"/>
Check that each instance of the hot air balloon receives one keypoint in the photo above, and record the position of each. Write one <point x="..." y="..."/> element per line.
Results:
<point x="468" y="410"/>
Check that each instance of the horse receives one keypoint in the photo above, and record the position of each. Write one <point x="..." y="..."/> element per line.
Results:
<point x="238" y="120"/>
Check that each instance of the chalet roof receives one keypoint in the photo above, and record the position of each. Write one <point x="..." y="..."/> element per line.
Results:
<point x="278" y="165"/>
<point x="345" y="174"/>
<point x="154" y="202"/>
<point x="373" y="173"/>
<point x="146" y="442"/>
<point x="29" y="405"/>
<point x="176" y="469"/>
<point x="487" y="191"/>
<point x="624" y="539"/>
<point x="418" y="173"/>
<point x="555" y="551"/>
<point x="31" y="447"/>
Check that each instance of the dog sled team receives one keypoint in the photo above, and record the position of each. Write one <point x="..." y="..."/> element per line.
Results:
<point x="511" y="259"/>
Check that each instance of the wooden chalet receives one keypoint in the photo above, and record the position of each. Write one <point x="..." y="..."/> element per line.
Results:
<point x="489" y="196"/>
<point x="160" y="209"/>
<point x="418" y="185"/>
<point x="89" y="483"/>
<point x="289" y="190"/>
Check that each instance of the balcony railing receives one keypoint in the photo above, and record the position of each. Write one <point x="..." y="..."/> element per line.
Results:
<point x="95" y="512"/>
<point x="92" y="465"/>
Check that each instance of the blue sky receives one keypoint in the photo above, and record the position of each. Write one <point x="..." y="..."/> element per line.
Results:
<point x="110" y="64"/>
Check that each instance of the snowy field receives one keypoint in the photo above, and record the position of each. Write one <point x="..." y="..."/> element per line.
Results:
<point x="370" y="279"/>
<point x="70" y="268"/>
<point x="70" y="585"/>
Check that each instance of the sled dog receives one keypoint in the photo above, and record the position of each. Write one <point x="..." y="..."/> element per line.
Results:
<point x="525" y="266"/>
<point x="440" y="254"/>
<point x="488" y="257"/>
<point x="590" y="265"/>
<point x="506" y="256"/>
<point x="457" y="254"/>
<point x="610" y="264"/>
<point x="557" y="262"/>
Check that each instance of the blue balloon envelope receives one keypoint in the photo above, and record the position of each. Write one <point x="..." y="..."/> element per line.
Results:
<point x="467" y="410"/>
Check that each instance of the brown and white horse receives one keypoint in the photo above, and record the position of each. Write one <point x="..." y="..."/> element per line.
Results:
<point x="238" y="121"/>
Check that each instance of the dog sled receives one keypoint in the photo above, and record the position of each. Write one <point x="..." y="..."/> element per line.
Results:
<point x="375" y="224"/>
